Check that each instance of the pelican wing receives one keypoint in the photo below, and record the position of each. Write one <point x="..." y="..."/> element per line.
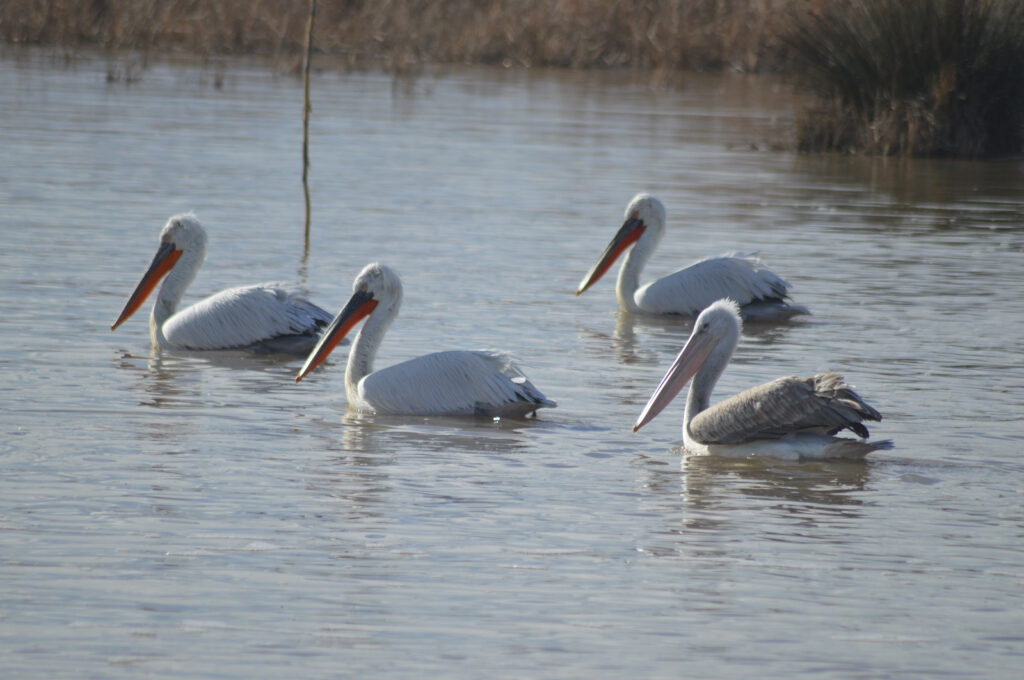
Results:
<point x="453" y="383"/>
<point x="261" y="315"/>
<point x="741" y="277"/>
<point x="782" y="407"/>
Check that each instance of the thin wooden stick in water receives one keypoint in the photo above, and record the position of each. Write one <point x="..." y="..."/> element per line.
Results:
<point x="305" y="116"/>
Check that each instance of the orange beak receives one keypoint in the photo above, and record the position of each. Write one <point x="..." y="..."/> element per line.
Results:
<point x="164" y="260"/>
<point x="358" y="308"/>
<point x="631" y="230"/>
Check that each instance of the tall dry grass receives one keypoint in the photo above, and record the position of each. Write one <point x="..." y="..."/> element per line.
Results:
<point x="673" y="34"/>
<point x="913" y="77"/>
<point x="893" y="76"/>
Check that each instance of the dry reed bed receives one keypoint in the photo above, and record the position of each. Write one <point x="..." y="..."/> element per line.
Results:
<point x="681" y="34"/>
<point x="919" y="77"/>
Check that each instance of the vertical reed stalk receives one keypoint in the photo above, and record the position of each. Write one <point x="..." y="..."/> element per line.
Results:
<point x="305" y="119"/>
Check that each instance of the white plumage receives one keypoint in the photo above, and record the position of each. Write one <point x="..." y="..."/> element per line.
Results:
<point x="741" y="277"/>
<point x="459" y="382"/>
<point x="788" y="417"/>
<point x="263" y="317"/>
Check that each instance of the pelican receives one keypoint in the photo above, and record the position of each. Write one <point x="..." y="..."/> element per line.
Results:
<point x="787" y="418"/>
<point x="443" y="383"/>
<point x="260" y="318"/>
<point x="740" y="277"/>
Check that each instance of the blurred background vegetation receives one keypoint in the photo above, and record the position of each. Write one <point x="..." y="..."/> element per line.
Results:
<point x="682" y="34"/>
<point x="912" y="77"/>
<point x="926" y="77"/>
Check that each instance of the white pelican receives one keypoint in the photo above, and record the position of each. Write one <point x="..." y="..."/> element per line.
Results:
<point x="740" y="277"/>
<point x="443" y="383"/>
<point x="260" y="318"/>
<point x="788" y="417"/>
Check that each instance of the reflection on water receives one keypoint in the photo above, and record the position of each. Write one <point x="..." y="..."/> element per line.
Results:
<point x="943" y="187"/>
<point x="704" y="504"/>
<point x="174" y="378"/>
<point x="673" y="330"/>
<point x="361" y="432"/>
<point x="625" y="337"/>
<point x="706" y="482"/>
<point x="813" y="483"/>
<point x="162" y="381"/>
<point x="200" y="514"/>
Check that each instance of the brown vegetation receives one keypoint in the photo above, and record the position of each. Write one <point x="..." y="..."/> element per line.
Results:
<point x="893" y="76"/>
<point x="913" y="77"/>
<point x="677" y="34"/>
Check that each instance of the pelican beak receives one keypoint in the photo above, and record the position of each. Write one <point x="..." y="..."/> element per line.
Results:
<point x="358" y="308"/>
<point x="631" y="230"/>
<point x="164" y="260"/>
<point x="689" y="361"/>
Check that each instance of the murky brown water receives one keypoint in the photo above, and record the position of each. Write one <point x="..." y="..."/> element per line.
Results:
<point x="202" y="516"/>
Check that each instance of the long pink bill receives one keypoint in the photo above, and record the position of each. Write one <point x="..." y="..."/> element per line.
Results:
<point x="686" y="365"/>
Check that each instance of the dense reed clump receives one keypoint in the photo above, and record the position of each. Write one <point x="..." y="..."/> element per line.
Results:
<point x="921" y="77"/>
<point x="648" y="34"/>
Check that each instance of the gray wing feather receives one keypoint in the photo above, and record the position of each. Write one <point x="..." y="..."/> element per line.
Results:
<point x="741" y="277"/>
<point x="454" y="382"/>
<point x="784" y="406"/>
<point x="245" y="316"/>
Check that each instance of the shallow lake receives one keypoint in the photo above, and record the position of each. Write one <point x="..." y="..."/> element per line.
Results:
<point x="188" y="515"/>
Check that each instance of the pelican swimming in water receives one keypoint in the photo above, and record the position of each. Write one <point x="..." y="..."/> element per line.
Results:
<point x="788" y="417"/>
<point x="760" y="293"/>
<point x="443" y="383"/>
<point x="259" y="318"/>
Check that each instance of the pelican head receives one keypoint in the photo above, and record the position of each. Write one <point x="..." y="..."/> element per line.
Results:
<point x="382" y="282"/>
<point x="185" y="232"/>
<point x="643" y="224"/>
<point x="182" y="237"/>
<point x="715" y="334"/>
<point x="647" y="209"/>
<point x="376" y="286"/>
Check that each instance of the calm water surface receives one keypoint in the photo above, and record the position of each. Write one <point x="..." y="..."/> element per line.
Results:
<point x="175" y="515"/>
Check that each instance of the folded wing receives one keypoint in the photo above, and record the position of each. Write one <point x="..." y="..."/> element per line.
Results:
<point x="246" y="316"/>
<point x="742" y="278"/>
<point x="782" y="407"/>
<point x="454" y="383"/>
